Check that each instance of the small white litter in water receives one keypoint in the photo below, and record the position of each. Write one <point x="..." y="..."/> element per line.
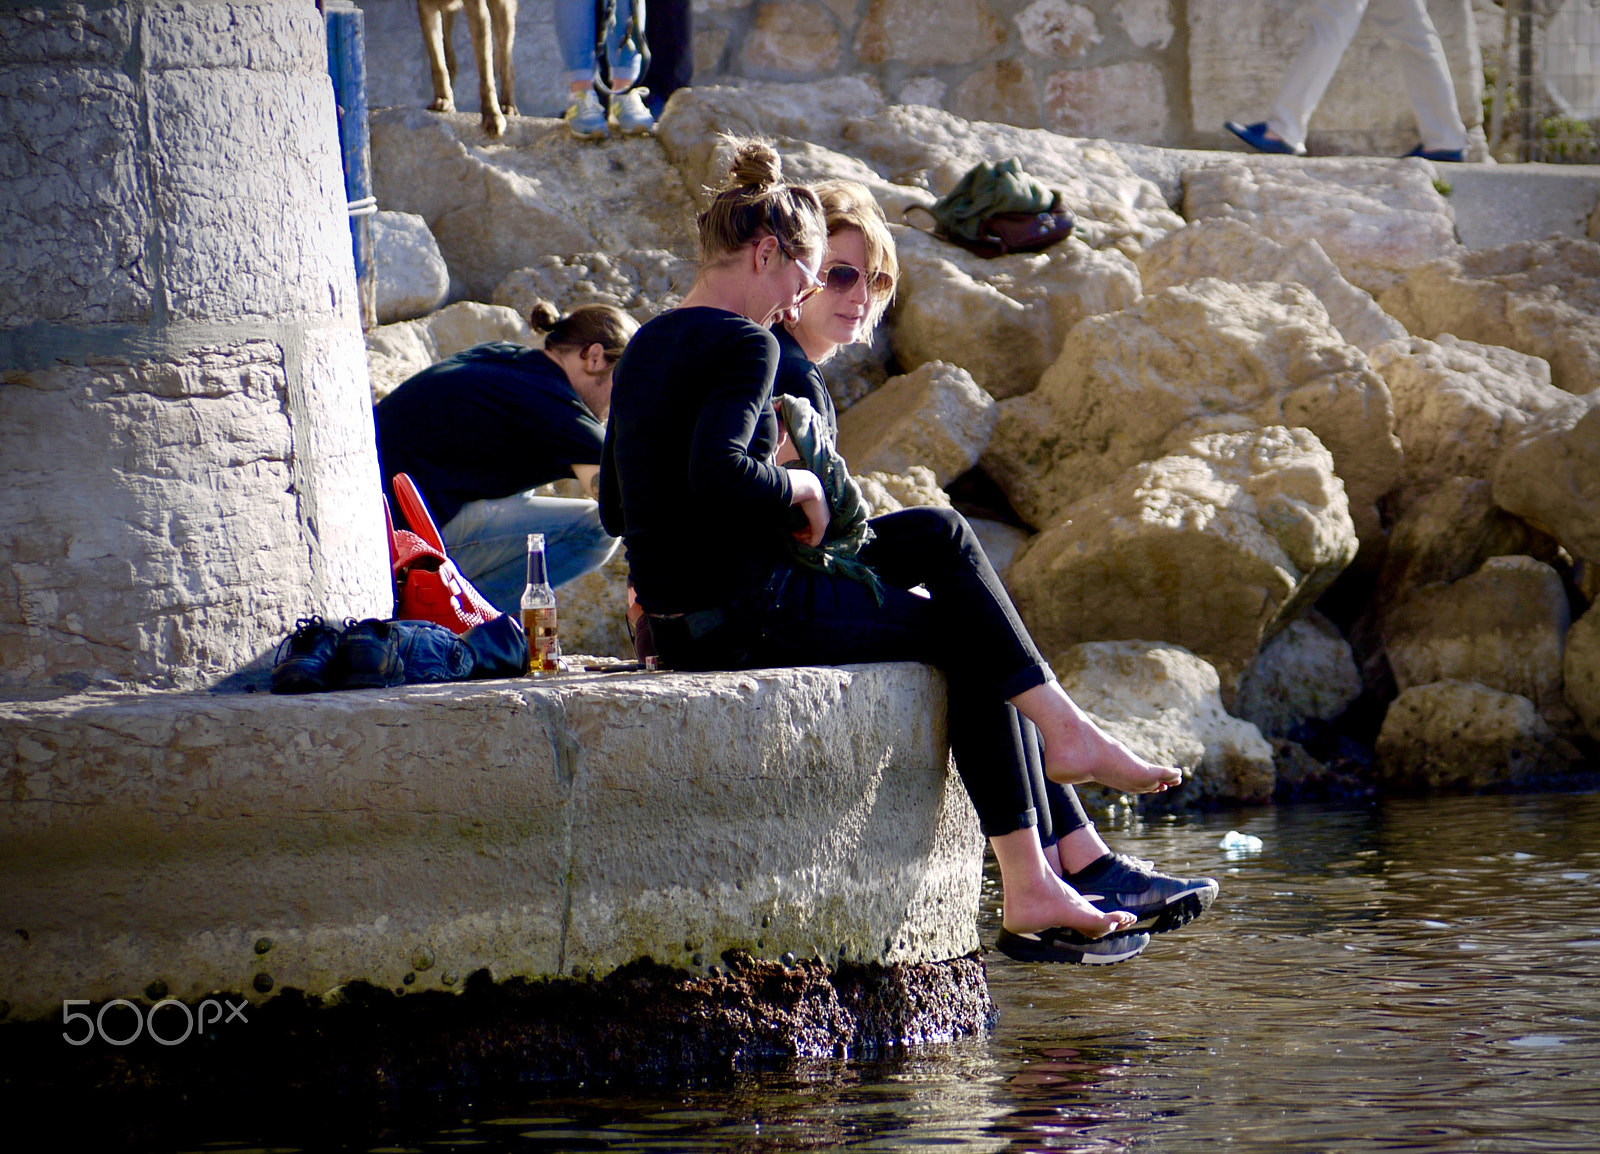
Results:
<point x="1520" y="856"/>
<point x="1437" y="925"/>
<point x="1539" y="1041"/>
<point x="1235" y="842"/>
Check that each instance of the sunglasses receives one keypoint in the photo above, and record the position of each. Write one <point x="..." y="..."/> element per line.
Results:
<point x="841" y="278"/>
<point x="813" y="281"/>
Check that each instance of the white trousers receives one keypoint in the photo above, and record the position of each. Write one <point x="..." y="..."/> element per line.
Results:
<point x="1406" y="27"/>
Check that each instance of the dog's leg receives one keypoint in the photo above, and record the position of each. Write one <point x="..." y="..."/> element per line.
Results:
<point x="450" y="46"/>
<point x="504" y="14"/>
<point x="494" y="121"/>
<point x="437" y="43"/>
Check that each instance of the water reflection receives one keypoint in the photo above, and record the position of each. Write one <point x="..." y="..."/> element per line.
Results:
<point x="1418" y="975"/>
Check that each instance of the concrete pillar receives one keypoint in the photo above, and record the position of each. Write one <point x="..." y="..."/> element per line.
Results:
<point x="186" y="451"/>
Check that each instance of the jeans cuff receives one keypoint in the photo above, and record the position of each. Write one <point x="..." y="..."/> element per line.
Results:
<point x="1029" y="677"/>
<point x="1027" y="819"/>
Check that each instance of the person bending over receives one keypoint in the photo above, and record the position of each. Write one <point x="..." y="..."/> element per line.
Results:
<point x="689" y="482"/>
<point x="478" y="431"/>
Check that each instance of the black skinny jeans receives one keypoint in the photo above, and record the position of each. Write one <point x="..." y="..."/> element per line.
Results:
<point x="967" y="627"/>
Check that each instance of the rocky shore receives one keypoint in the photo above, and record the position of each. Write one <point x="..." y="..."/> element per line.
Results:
<point x="1291" y="486"/>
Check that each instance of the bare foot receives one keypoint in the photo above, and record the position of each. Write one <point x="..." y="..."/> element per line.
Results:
<point x="1101" y="758"/>
<point x="1065" y="907"/>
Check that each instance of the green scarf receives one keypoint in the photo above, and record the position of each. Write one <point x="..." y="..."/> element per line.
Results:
<point x="848" y="530"/>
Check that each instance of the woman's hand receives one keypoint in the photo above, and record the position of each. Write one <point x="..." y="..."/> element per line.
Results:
<point x="806" y="492"/>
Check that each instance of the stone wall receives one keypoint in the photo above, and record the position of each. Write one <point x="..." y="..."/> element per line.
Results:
<point x="410" y="837"/>
<point x="1165" y="72"/>
<point x="185" y="440"/>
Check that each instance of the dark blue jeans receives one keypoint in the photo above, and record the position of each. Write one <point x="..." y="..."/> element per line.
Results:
<point x="967" y="627"/>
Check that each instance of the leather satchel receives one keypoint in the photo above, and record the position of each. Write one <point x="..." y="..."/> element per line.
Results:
<point x="428" y="586"/>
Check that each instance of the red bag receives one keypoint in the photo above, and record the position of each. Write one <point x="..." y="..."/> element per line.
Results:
<point x="428" y="586"/>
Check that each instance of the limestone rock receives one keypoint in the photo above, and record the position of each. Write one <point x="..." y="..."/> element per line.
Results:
<point x="932" y="149"/>
<point x="592" y="610"/>
<point x="1000" y="541"/>
<point x="695" y="118"/>
<point x="410" y="277"/>
<point x="891" y="492"/>
<point x="643" y="283"/>
<point x="1581" y="670"/>
<point x="1214" y="550"/>
<point x="1502" y="627"/>
<point x="397" y="351"/>
<point x="1377" y="219"/>
<point x="1002" y="319"/>
<point x="927" y="33"/>
<point x="1457" y="404"/>
<point x="1125" y="101"/>
<point x="857" y="371"/>
<point x="1447" y="535"/>
<point x="1231" y="250"/>
<point x="1307" y="672"/>
<point x="1163" y="702"/>
<point x="807" y="163"/>
<point x="1551" y="478"/>
<point x="1197" y="358"/>
<point x="793" y="39"/>
<point x="934" y="416"/>
<point x="1541" y="297"/>
<point x="1458" y="735"/>
<point x="536" y="191"/>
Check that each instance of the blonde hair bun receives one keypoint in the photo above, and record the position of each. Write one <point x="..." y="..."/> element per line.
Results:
<point x="756" y="165"/>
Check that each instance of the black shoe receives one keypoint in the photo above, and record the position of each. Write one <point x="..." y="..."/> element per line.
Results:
<point x="1064" y="945"/>
<point x="1118" y="882"/>
<point x="304" y="668"/>
<point x="369" y="656"/>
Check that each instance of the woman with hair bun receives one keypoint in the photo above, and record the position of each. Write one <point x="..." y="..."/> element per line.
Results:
<point x="715" y="531"/>
<point x="478" y="431"/>
<point x="860" y="272"/>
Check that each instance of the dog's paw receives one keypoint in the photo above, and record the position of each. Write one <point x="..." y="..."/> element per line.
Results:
<point x="494" y="122"/>
<point x="442" y="104"/>
<point x="510" y="109"/>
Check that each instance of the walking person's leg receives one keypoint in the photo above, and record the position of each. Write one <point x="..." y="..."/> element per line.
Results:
<point x="1406" y="26"/>
<point x="1331" y="25"/>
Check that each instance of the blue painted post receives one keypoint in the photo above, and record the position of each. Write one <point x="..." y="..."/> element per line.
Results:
<point x="347" y="65"/>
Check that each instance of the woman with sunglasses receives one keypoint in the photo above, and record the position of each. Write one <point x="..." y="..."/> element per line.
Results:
<point x="689" y="483"/>
<point x="859" y="274"/>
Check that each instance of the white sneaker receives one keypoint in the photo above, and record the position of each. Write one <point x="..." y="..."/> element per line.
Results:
<point x="630" y="115"/>
<point x="584" y="116"/>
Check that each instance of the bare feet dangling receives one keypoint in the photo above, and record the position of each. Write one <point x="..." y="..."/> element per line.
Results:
<point x="1064" y="907"/>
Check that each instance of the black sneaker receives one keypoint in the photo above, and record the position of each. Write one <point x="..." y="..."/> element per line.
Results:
<point x="1063" y="945"/>
<point x="1161" y="902"/>
<point x="369" y="656"/>
<point x="305" y="666"/>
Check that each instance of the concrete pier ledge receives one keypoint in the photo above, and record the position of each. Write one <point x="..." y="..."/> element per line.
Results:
<point x="173" y="845"/>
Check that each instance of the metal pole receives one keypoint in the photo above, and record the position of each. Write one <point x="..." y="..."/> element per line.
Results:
<point x="347" y="65"/>
<point x="1530" y="148"/>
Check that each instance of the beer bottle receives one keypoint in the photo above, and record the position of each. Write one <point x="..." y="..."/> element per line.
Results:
<point x="539" y="610"/>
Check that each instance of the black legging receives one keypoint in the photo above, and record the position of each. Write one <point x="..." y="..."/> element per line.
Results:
<point x="967" y="627"/>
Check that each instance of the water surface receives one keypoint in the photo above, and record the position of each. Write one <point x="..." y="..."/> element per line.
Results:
<point x="1413" y="975"/>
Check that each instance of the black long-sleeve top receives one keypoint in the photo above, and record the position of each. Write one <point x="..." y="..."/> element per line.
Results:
<point x="685" y="477"/>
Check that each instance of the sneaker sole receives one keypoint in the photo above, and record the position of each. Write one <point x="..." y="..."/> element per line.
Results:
<point x="1066" y="946"/>
<point x="1178" y="910"/>
<point x="1183" y="909"/>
